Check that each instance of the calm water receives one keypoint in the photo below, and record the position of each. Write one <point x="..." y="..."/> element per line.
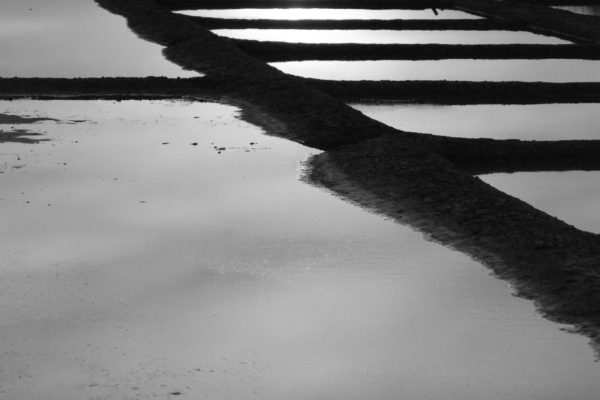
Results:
<point x="74" y="38"/>
<point x="388" y="36"/>
<point x="585" y="10"/>
<point x="327" y="13"/>
<point x="552" y="70"/>
<point x="526" y="122"/>
<point x="137" y="264"/>
<point x="572" y="196"/>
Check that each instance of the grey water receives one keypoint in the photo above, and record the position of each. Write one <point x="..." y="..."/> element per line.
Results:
<point x="551" y="70"/>
<point x="584" y="10"/>
<point x="494" y="121"/>
<point x="74" y="38"/>
<point x="327" y="13"/>
<point x="162" y="249"/>
<point x="572" y="196"/>
<point x="389" y="36"/>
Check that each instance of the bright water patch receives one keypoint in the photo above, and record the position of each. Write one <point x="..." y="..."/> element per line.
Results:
<point x="74" y="38"/>
<point x="327" y="13"/>
<point x="160" y="248"/>
<point x="495" y="121"/>
<point x="572" y="196"/>
<point x="552" y="70"/>
<point x="584" y="10"/>
<point x="388" y="36"/>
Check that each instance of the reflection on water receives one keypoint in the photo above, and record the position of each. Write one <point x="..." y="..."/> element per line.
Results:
<point x="327" y="13"/>
<point x="162" y="248"/>
<point x="585" y="10"/>
<point x="495" y="121"/>
<point x="571" y="196"/>
<point x="552" y="70"/>
<point x="389" y="36"/>
<point x="74" y="38"/>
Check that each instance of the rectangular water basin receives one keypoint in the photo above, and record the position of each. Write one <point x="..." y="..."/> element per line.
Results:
<point x="550" y="70"/>
<point x="327" y="13"/>
<point x="389" y="36"/>
<point x="494" y="121"/>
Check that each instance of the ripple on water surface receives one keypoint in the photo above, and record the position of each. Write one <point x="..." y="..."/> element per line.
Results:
<point x="157" y="248"/>
<point x="74" y="38"/>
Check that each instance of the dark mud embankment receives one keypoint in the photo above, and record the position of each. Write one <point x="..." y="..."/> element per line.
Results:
<point x="282" y="51"/>
<point x="422" y="180"/>
<point x="431" y="92"/>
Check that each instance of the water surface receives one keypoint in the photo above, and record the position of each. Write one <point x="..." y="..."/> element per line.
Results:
<point x="327" y="13"/>
<point x="572" y="196"/>
<point x="585" y="10"/>
<point x="551" y="70"/>
<point x="161" y="248"/>
<point x="74" y="38"/>
<point x="389" y="36"/>
<point x="495" y="121"/>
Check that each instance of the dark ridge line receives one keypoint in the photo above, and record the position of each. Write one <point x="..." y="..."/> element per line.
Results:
<point x="431" y="92"/>
<point x="565" y="2"/>
<point x="360" y="4"/>
<point x="461" y="92"/>
<point x="549" y="261"/>
<point x="283" y="51"/>
<point x="394" y="24"/>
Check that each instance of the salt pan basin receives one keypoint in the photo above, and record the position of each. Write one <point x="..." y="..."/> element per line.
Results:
<point x="74" y="38"/>
<point x="388" y="36"/>
<point x="572" y="196"/>
<point x="157" y="249"/>
<point x="326" y="13"/>
<point x="494" y="121"/>
<point x="551" y="70"/>
<point x="584" y="10"/>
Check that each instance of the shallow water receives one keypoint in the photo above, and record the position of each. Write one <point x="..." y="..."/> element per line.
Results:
<point x="74" y="38"/>
<point x="552" y="70"/>
<point x="495" y="121"/>
<point x="327" y="13"/>
<point x="137" y="264"/>
<point x="585" y="10"/>
<point x="388" y="36"/>
<point x="572" y="196"/>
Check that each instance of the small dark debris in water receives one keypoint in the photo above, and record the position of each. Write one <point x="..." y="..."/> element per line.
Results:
<point x="221" y="149"/>
<point x="175" y="393"/>
<point x="194" y="144"/>
<point x="165" y="143"/>
<point x="253" y="143"/>
<point x="143" y="201"/>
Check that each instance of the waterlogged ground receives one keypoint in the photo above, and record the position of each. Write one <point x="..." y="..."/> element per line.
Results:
<point x="163" y="250"/>
<point x="327" y="13"/>
<point x="74" y="38"/>
<point x="495" y="121"/>
<point x="551" y="70"/>
<point x="389" y="36"/>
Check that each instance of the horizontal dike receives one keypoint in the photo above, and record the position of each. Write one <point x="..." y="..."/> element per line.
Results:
<point x="439" y="92"/>
<point x="283" y="51"/>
